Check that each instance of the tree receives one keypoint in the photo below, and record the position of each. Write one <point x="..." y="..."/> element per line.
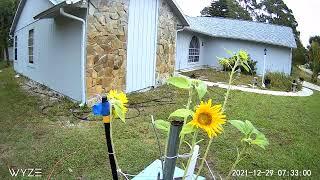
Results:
<point x="251" y="6"/>
<point x="277" y="12"/>
<point x="314" y="39"/>
<point x="314" y="55"/>
<point x="226" y="9"/>
<point x="7" y="11"/>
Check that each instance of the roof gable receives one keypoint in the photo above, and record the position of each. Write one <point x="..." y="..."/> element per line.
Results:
<point x="177" y="10"/>
<point x="27" y="13"/>
<point x="243" y="30"/>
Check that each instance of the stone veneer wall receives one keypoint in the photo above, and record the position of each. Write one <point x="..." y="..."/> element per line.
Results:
<point x="166" y="46"/>
<point x="106" y="45"/>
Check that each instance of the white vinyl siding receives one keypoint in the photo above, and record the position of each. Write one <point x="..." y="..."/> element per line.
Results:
<point x="56" y="49"/>
<point x="142" y="38"/>
<point x="278" y="58"/>
<point x="183" y="50"/>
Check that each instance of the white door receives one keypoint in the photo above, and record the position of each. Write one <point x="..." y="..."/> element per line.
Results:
<point x="142" y="40"/>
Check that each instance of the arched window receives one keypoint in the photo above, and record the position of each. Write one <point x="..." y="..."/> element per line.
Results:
<point x="194" y="50"/>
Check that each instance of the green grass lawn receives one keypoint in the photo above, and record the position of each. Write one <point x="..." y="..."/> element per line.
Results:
<point x="57" y="142"/>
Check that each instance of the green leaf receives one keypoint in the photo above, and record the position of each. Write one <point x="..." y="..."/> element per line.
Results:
<point x="260" y="141"/>
<point x="245" y="66"/>
<point x="201" y="88"/>
<point x="245" y="127"/>
<point x="187" y="129"/>
<point x="180" y="82"/>
<point x="250" y="128"/>
<point x="182" y="113"/>
<point x="240" y="125"/>
<point x="162" y="125"/>
<point x="118" y="111"/>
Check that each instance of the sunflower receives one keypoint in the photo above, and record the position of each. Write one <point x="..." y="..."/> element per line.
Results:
<point x="120" y="99"/>
<point x="209" y="118"/>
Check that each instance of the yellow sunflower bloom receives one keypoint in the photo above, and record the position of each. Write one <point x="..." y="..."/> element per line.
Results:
<point x="120" y="97"/>
<point x="209" y="118"/>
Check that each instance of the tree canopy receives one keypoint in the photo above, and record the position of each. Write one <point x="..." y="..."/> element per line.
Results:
<point x="7" y="11"/>
<point x="314" y="39"/>
<point x="226" y="9"/>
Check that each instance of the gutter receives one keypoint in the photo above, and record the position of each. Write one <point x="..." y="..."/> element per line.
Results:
<point x="83" y="82"/>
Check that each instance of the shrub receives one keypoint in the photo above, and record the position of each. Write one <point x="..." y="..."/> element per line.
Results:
<point x="228" y="63"/>
<point x="281" y="81"/>
<point x="315" y="59"/>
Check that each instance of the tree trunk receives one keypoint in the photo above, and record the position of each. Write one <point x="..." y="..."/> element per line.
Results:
<point x="7" y="55"/>
<point x="1" y="54"/>
<point x="6" y="52"/>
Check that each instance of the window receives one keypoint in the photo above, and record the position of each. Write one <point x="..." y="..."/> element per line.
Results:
<point x="15" y="48"/>
<point x="30" y="46"/>
<point x="194" y="50"/>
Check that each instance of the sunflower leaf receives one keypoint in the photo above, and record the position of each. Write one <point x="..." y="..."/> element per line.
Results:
<point x="187" y="129"/>
<point x="245" y="66"/>
<point x="180" y="82"/>
<point x="182" y="113"/>
<point x="119" y="111"/>
<point x="162" y="125"/>
<point x="240" y="125"/>
<point x="261" y="141"/>
<point x="201" y="88"/>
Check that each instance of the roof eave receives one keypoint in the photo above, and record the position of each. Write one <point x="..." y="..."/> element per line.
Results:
<point x="264" y="42"/>
<point x="16" y="16"/>
<point x="177" y="10"/>
<point x="55" y="10"/>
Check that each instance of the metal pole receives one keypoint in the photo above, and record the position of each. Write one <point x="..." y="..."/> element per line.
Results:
<point x="109" y="144"/>
<point x="172" y="150"/>
<point x="264" y="67"/>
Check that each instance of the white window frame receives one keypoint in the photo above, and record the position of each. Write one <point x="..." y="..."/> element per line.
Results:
<point x="194" y="52"/>
<point x="31" y="46"/>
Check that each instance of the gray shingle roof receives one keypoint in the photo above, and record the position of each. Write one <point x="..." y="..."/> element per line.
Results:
<point x="243" y="30"/>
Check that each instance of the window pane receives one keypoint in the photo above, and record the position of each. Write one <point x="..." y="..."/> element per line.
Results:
<point x="15" y="54"/>
<point x="31" y="59"/>
<point x="30" y="51"/>
<point x="31" y="32"/>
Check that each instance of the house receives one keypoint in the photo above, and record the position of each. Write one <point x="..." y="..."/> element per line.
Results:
<point x="81" y="48"/>
<point x="208" y="38"/>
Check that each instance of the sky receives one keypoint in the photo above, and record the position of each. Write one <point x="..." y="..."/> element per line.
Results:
<point x="306" y="13"/>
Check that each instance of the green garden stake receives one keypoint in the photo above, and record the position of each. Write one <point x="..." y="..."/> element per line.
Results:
<point x="172" y="150"/>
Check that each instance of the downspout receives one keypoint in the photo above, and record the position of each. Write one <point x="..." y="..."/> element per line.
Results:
<point x="63" y="13"/>
<point x="179" y="29"/>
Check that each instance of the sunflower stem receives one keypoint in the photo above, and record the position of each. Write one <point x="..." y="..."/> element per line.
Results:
<point x="186" y="118"/>
<point x="194" y="141"/>
<point x="223" y="110"/>
<point x="111" y="136"/>
<point x="204" y="158"/>
<point x="237" y="161"/>
<point x="229" y="87"/>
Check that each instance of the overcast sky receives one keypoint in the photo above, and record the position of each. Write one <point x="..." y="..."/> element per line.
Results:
<point x="306" y="13"/>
